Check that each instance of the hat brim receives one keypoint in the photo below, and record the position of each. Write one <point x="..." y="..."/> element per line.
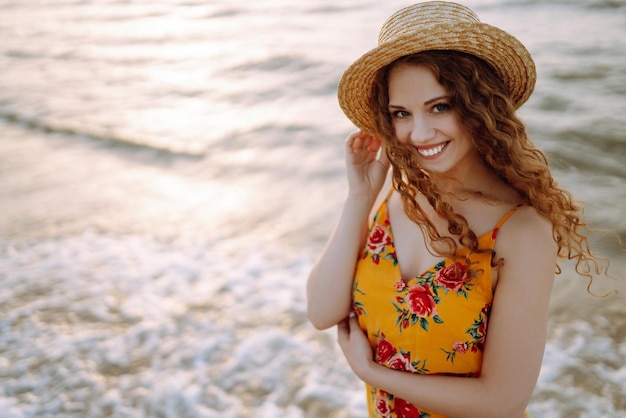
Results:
<point x="508" y="56"/>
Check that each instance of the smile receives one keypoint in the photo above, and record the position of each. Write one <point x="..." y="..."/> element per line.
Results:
<point x="432" y="151"/>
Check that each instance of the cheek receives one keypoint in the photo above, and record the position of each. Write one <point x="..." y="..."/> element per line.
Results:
<point x="402" y="132"/>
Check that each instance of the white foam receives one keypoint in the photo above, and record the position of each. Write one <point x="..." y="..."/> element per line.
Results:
<point x="137" y="327"/>
<point x="583" y="372"/>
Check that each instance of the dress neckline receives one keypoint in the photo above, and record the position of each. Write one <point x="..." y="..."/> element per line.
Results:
<point x="493" y="233"/>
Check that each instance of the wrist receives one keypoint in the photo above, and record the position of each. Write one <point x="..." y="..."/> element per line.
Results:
<point x="361" y="197"/>
<point x="368" y="370"/>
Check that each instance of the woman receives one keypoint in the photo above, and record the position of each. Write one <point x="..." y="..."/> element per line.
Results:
<point x="442" y="304"/>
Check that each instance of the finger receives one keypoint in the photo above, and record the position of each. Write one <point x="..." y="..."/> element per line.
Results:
<point x="360" y="139"/>
<point x="353" y="322"/>
<point x="352" y="136"/>
<point x="343" y="333"/>
<point x="361" y="142"/>
<point x="373" y="143"/>
<point x="357" y="144"/>
<point x="343" y="328"/>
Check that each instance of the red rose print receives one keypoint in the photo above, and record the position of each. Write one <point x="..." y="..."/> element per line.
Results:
<point x="453" y="276"/>
<point x="460" y="347"/>
<point x="421" y="301"/>
<point x="397" y="362"/>
<point x="379" y="237"/>
<point x="480" y="341"/>
<point x="401" y="362"/>
<point x="382" y="406"/>
<point x="400" y="284"/>
<point x="384" y="351"/>
<point x="486" y="310"/>
<point x="482" y="328"/>
<point x="405" y="410"/>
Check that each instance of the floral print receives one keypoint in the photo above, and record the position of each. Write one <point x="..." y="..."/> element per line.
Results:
<point x="383" y="405"/>
<point x="415" y="305"/>
<point x="435" y="323"/>
<point x="357" y="306"/>
<point x="455" y="277"/>
<point x="378" y="244"/>
<point x="477" y="333"/>
<point x="397" y="359"/>
<point x="406" y="410"/>
<point x="386" y="405"/>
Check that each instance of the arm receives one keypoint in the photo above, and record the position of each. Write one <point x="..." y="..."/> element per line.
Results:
<point x="515" y="340"/>
<point x="329" y="286"/>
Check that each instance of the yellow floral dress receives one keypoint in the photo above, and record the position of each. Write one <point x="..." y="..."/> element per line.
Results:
<point x="435" y="323"/>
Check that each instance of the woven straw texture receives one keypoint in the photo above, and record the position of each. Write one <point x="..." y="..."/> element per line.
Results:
<point x="435" y="26"/>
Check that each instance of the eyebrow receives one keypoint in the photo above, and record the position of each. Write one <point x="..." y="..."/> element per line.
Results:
<point x="426" y="103"/>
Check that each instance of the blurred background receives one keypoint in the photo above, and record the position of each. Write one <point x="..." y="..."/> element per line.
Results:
<point x="169" y="171"/>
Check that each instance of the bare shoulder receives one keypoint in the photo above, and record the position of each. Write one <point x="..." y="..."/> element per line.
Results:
<point x="526" y="244"/>
<point x="526" y="224"/>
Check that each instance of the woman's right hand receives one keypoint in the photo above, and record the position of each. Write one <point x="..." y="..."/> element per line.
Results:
<point x="329" y="286"/>
<point x="366" y="163"/>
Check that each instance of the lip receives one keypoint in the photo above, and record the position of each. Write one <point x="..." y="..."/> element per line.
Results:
<point x="432" y="151"/>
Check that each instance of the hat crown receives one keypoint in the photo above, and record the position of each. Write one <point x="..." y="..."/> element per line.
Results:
<point x="431" y="13"/>
<point x="434" y="26"/>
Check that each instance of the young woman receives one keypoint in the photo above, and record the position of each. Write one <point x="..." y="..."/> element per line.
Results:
<point x="442" y="304"/>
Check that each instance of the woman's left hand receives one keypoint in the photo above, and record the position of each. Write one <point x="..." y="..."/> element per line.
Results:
<point x="355" y="346"/>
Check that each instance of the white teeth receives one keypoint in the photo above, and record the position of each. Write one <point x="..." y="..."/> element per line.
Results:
<point x="430" y="152"/>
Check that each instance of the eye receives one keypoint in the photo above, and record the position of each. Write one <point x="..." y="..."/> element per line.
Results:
<point x="400" y="114"/>
<point x="441" y="107"/>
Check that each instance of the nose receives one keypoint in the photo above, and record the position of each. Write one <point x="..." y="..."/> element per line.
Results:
<point x="422" y="130"/>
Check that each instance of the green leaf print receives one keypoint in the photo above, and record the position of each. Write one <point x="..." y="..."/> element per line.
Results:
<point x="424" y="324"/>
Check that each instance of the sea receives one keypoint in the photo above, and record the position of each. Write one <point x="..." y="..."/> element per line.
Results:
<point x="171" y="169"/>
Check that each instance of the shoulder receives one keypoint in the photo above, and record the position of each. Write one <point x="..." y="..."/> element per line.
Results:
<point x="527" y="223"/>
<point x="526" y="243"/>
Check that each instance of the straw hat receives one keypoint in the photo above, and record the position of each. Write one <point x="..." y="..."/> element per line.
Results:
<point x="436" y="25"/>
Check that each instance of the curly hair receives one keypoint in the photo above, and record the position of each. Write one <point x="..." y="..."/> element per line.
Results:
<point x="488" y="114"/>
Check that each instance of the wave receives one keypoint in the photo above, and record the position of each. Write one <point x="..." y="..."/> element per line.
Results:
<point x="594" y="152"/>
<point x="589" y="4"/>
<point x="277" y="63"/>
<point x="104" y="139"/>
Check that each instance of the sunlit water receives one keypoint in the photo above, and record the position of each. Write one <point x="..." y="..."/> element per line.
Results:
<point x="170" y="170"/>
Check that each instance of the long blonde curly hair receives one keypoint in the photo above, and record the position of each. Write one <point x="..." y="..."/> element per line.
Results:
<point x="487" y="112"/>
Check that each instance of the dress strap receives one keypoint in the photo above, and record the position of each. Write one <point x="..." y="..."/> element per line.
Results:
<point x="503" y="220"/>
<point x="391" y="189"/>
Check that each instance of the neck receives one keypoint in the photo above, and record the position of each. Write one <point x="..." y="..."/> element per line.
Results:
<point x="475" y="181"/>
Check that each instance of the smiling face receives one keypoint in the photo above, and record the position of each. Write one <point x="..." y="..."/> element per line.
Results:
<point x="423" y="117"/>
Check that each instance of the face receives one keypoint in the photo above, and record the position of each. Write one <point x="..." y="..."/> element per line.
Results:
<point x="422" y="116"/>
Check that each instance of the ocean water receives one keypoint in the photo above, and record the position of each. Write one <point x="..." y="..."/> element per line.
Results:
<point x="169" y="171"/>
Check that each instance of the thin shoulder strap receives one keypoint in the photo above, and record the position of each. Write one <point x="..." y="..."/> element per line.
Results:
<point x="502" y="220"/>
<point x="381" y="209"/>
<point x="391" y="189"/>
